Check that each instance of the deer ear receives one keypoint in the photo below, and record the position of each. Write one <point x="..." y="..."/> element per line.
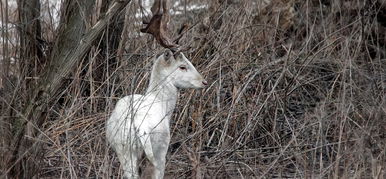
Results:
<point x="168" y="55"/>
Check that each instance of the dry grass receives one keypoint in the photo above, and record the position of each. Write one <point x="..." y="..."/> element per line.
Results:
<point x="297" y="89"/>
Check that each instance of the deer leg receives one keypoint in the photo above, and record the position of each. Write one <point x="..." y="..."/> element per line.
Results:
<point x="161" y="142"/>
<point x="128" y="157"/>
<point x="144" y="137"/>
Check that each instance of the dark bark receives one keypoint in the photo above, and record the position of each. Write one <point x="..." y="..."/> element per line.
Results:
<point x="5" y="62"/>
<point x="71" y="45"/>
<point x="31" y="43"/>
<point x="30" y="56"/>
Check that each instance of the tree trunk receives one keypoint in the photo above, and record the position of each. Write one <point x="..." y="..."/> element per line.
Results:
<point x="30" y="56"/>
<point x="4" y="86"/>
<point x="72" y="44"/>
<point x="31" y="53"/>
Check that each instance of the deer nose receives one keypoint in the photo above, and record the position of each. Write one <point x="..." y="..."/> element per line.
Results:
<point x="204" y="82"/>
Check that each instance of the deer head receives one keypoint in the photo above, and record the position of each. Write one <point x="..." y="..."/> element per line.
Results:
<point x="172" y="64"/>
<point x="177" y="70"/>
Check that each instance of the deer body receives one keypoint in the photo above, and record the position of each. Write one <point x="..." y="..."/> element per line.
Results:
<point x="141" y="122"/>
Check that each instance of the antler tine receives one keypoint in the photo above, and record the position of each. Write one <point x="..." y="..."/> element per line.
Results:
<point x="181" y="32"/>
<point x="158" y="25"/>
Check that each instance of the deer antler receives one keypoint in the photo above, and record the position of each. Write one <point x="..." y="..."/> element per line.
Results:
<point x="158" y="25"/>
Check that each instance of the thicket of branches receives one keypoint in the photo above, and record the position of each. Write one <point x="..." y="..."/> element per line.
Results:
<point x="297" y="88"/>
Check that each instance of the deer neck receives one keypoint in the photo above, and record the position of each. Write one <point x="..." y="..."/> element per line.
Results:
<point x="164" y="91"/>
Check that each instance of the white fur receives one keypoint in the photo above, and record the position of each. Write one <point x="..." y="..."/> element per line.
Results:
<point x="141" y="122"/>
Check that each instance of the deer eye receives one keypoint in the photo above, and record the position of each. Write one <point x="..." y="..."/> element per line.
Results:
<point x="183" y="68"/>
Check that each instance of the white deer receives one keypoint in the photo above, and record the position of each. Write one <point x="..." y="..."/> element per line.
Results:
<point x="141" y="122"/>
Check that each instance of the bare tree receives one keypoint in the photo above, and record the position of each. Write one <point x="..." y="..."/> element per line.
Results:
<point x="73" y="42"/>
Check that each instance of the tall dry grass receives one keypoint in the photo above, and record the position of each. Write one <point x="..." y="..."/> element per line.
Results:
<point x="297" y="89"/>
